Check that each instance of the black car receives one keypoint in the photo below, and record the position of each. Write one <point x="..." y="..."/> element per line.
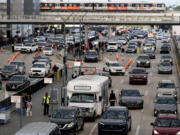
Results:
<point x="131" y="98"/>
<point x="69" y="120"/>
<point x="8" y="71"/>
<point x="143" y="61"/>
<point x="115" y="120"/>
<point x="165" y="49"/>
<point x="91" y="55"/>
<point x="165" y="104"/>
<point x="17" y="82"/>
<point x="151" y="54"/>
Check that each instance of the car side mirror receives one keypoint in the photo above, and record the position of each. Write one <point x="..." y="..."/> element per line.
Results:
<point x="152" y="124"/>
<point x="100" y="98"/>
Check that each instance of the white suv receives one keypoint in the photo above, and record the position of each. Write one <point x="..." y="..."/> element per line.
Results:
<point x="112" y="47"/>
<point x="39" y="69"/>
<point x="29" y="47"/>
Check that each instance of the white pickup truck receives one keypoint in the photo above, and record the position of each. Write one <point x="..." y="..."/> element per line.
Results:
<point x="29" y="47"/>
<point x="39" y="69"/>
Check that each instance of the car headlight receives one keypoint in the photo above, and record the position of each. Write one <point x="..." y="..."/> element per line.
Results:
<point x="138" y="61"/>
<point x="70" y="125"/>
<point x="147" y="61"/>
<point x="144" y="76"/>
<point x="156" y="132"/>
<point x="100" y="123"/>
<point x="178" y="133"/>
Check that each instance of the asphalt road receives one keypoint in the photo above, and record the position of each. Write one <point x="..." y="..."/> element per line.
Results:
<point x="140" y="118"/>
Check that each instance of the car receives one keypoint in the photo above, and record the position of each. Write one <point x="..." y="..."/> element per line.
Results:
<point x="17" y="47"/>
<point x="148" y="46"/>
<point x="104" y="32"/>
<point x="39" y="69"/>
<point x="69" y="120"/>
<point x="123" y="40"/>
<point x="8" y="71"/>
<point x="41" y="45"/>
<point x="143" y="61"/>
<point x="114" y="67"/>
<point x="134" y="42"/>
<point x="131" y="98"/>
<point x="138" y="75"/>
<point x="42" y="59"/>
<point x="165" y="39"/>
<point x="48" y="51"/>
<point x="165" y="104"/>
<point x="166" y="124"/>
<point x="140" y="34"/>
<point x="159" y="36"/>
<point x="91" y="55"/>
<point x="17" y="82"/>
<point x="112" y="47"/>
<point x="151" y="41"/>
<point x="167" y="87"/>
<point x="164" y="68"/>
<point x="151" y="54"/>
<point x="29" y="47"/>
<point x="167" y="58"/>
<point x="131" y="49"/>
<point x="115" y="120"/>
<point x="165" y="49"/>
<point x="20" y="65"/>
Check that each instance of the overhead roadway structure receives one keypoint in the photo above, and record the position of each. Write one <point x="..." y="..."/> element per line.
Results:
<point x="99" y="18"/>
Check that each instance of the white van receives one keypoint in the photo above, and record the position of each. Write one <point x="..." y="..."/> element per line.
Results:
<point x="39" y="128"/>
<point x="90" y="93"/>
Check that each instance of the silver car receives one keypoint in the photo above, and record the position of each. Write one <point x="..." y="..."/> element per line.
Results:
<point x="20" y="65"/>
<point x="165" y="68"/>
<point x="167" y="88"/>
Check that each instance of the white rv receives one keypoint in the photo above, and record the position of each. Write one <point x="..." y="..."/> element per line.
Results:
<point x="90" y="93"/>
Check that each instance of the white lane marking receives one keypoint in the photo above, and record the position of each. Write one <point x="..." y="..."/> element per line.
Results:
<point x="93" y="129"/>
<point x="142" y="110"/>
<point x="137" y="131"/>
<point x="146" y="93"/>
<point x="122" y="81"/>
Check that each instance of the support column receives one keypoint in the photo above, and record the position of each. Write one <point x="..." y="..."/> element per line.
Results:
<point x="110" y="31"/>
<point x="86" y="36"/>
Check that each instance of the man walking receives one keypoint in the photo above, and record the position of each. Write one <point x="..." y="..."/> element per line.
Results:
<point x="112" y="99"/>
<point x="46" y="101"/>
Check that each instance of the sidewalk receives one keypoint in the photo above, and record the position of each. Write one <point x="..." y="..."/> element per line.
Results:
<point x="14" y="124"/>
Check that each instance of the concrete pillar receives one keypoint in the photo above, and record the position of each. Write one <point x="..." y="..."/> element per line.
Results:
<point x="86" y="35"/>
<point x="109" y="31"/>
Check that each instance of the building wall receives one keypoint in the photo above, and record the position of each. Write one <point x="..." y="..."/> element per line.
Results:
<point x="31" y="7"/>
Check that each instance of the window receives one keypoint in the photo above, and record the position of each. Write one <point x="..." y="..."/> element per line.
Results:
<point x="134" y="5"/>
<point x="62" y="5"/>
<point x="159" y="5"/>
<point x="125" y="5"/>
<point x="100" y="5"/>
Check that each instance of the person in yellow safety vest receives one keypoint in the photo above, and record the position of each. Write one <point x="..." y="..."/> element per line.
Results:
<point x="12" y="45"/>
<point x="151" y="47"/>
<point x="46" y="101"/>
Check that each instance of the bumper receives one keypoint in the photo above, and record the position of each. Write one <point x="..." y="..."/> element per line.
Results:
<point x="47" y="53"/>
<point x="132" y="105"/>
<point x="143" y="64"/>
<point x="112" y="50"/>
<point x="164" y="112"/>
<point x="140" y="80"/>
<point x="103" y="131"/>
<point x="165" y="72"/>
<point x="25" y="50"/>
<point x="68" y="131"/>
<point x="36" y="75"/>
<point x="91" y="59"/>
<point x="13" y="89"/>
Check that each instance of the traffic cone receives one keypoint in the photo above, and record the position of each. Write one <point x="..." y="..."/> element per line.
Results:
<point x="86" y="69"/>
<point x="94" y="72"/>
<point x="67" y="65"/>
<point x="82" y="62"/>
<point x="111" y="53"/>
<point x="117" y="57"/>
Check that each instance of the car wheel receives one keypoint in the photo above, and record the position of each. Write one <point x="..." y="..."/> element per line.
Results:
<point x="146" y="82"/>
<point x="130" y="82"/>
<point x="94" y="117"/>
<point x="76" y="131"/>
<point x="99" y="133"/>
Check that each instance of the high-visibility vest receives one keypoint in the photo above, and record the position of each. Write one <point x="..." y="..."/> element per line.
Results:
<point x="46" y="99"/>
<point x="12" y="45"/>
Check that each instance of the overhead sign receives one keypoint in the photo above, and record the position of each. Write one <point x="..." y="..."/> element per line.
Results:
<point x="77" y="64"/>
<point x="48" y="80"/>
<point x="16" y="99"/>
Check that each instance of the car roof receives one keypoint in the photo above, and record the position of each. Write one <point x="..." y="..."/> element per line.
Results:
<point x="171" y="116"/>
<point x="121" y="108"/>
<point x="166" y="81"/>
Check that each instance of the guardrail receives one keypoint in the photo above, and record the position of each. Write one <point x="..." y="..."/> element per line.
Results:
<point x="30" y="90"/>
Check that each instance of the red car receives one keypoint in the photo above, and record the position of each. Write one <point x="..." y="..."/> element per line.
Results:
<point x="166" y="124"/>
<point x="138" y="75"/>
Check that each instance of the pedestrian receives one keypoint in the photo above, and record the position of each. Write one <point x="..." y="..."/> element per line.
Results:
<point x="55" y="68"/>
<point x="112" y="99"/>
<point x="24" y="105"/>
<point x="46" y="101"/>
<point x="29" y="107"/>
<point x="12" y="45"/>
<point x="74" y="75"/>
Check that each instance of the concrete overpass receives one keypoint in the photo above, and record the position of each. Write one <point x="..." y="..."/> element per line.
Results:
<point x="98" y="18"/>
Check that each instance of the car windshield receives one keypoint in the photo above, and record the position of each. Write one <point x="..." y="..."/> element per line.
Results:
<point x="166" y="101"/>
<point x="165" y="64"/>
<point x="166" y="85"/>
<point x="132" y="43"/>
<point x="63" y="114"/>
<point x="114" y="114"/>
<point x="9" y="68"/>
<point x="17" y="78"/>
<point x="91" y="53"/>
<point x="112" y="44"/>
<point x="166" y="56"/>
<point x="143" y="57"/>
<point x="83" y="98"/>
<point x="18" y="44"/>
<point x="130" y="93"/>
<point x="115" y="64"/>
<point x="27" y="44"/>
<point x="131" y="46"/>
<point x="47" y="48"/>
<point x="17" y="63"/>
<point x="164" y="122"/>
<point x="41" y="44"/>
<point x="38" y="66"/>
<point x="138" y="71"/>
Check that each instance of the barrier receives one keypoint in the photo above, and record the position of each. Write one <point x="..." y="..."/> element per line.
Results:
<point x="128" y="64"/>
<point x="14" y="57"/>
